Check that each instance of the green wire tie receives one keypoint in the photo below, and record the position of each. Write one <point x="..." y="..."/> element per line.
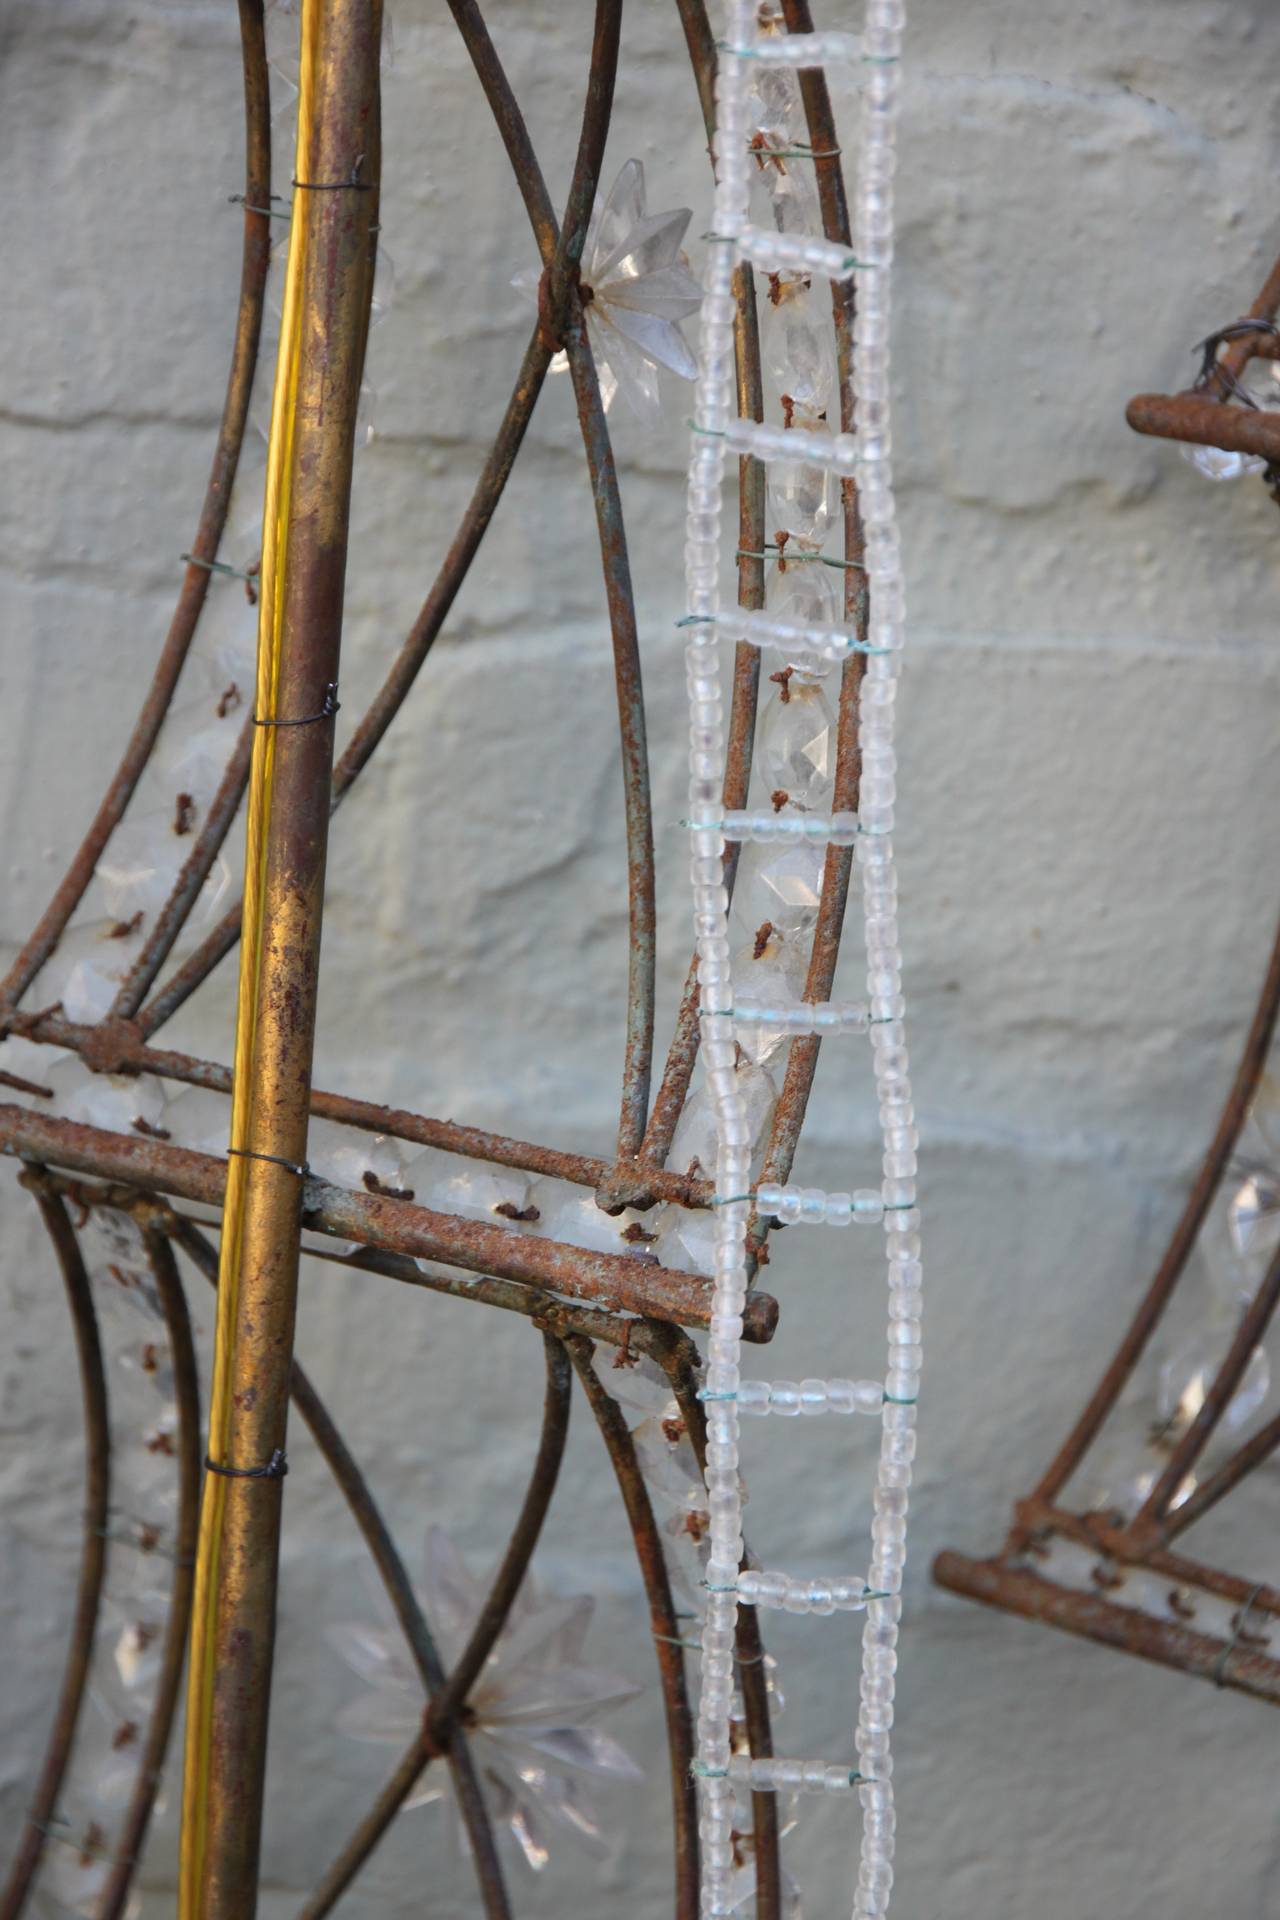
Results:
<point x="827" y="560"/>
<point x="216" y="566"/>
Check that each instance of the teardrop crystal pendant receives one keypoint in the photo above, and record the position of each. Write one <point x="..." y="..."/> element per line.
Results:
<point x="796" y="744"/>
<point x="802" y="496"/>
<point x="798" y="354"/>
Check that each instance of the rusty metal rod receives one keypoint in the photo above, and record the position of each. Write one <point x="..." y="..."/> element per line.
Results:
<point x="213" y="516"/>
<point x="1197" y="418"/>
<point x="802" y="1055"/>
<point x="484" y="501"/>
<point x="186" y="1393"/>
<point x="1038" y="1521"/>
<point x="663" y="1621"/>
<point x="1127" y="1629"/>
<point x="619" y="1283"/>
<point x="355" y="1490"/>
<point x="327" y="301"/>
<point x="680" y="1359"/>
<point x="1248" y="1073"/>
<point x="172" y="917"/>
<point x="1150" y="1518"/>
<point x="443" y="1711"/>
<point x="560" y="265"/>
<point x="114" y="1047"/>
<point x="1255" y="1450"/>
<point x="43" y="1804"/>
<point x="683" y="1052"/>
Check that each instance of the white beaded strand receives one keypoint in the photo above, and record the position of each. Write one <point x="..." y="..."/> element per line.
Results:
<point x="873" y="242"/>
<point x="717" y="432"/>
<point x="713" y="411"/>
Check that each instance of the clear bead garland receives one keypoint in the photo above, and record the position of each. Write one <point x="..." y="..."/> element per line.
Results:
<point x="717" y="432"/>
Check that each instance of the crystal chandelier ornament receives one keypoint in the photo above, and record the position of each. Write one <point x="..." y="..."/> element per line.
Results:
<point x="636" y="287"/>
<point x="532" y="1713"/>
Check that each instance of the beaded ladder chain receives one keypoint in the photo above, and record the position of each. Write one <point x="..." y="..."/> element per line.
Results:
<point x="864" y="455"/>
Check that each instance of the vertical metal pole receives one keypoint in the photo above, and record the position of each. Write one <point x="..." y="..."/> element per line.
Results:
<point x="326" y="312"/>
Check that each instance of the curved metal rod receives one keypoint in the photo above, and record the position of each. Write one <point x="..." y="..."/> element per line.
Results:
<point x="444" y="1712"/>
<point x="118" y="1050"/>
<point x="418" y="643"/>
<point x="1234" y="1113"/>
<point x="562" y="256"/>
<point x="93" y="1552"/>
<point x="561" y="267"/>
<point x="679" y="1358"/>
<point x="385" y="1555"/>
<point x="186" y="1393"/>
<point x="1232" y="1471"/>
<point x="213" y="516"/>
<point x="683" y="1051"/>
<point x="1221" y="1389"/>
<point x="173" y="915"/>
<point x="663" y="1621"/>
<point x="802" y="1056"/>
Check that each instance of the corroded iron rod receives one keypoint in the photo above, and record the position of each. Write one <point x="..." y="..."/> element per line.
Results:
<point x="213" y="515"/>
<point x="327" y="299"/>
<point x="620" y="1283"/>
<point x="43" y="1804"/>
<point x="445" y="1709"/>
<point x="132" y="1837"/>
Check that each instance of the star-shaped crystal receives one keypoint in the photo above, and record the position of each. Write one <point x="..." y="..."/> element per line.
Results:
<point x="636" y="285"/>
<point x="528" y="1714"/>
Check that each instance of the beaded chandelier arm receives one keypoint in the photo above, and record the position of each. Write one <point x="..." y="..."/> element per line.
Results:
<point x="864" y="455"/>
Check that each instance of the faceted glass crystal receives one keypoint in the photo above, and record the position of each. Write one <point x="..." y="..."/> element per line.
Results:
<point x="799" y="346"/>
<point x="143" y="859"/>
<point x="640" y="288"/>
<point x="570" y="1214"/>
<point x="1254" y="1215"/>
<point x="686" y="1238"/>
<point x="119" y="1103"/>
<point x="774" y="106"/>
<point x="694" y="1143"/>
<point x="802" y="591"/>
<point x="87" y="968"/>
<point x="796" y="744"/>
<point x="532" y="1712"/>
<point x="781" y="885"/>
<point x="1220" y="463"/>
<point x="368" y="1162"/>
<point x="802" y="497"/>
<point x="771" y="973"/>
<point x="782" y="187"/>
<point x="1188" y="1372"/>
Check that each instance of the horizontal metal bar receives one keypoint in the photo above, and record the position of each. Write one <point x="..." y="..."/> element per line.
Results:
<point x="619" y="1283"/>
<point x="1018" y="1590"/>
<point x="115" y="1047"/>
<point x="1206" y="422"/>
<point x="1038" y="1519"/>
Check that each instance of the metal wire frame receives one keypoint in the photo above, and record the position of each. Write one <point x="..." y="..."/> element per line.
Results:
<point x="1011" y="1579"/>
<point x="575" y="1297"/>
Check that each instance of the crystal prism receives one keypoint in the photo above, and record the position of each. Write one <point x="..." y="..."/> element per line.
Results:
<point x="796" y="744"/>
